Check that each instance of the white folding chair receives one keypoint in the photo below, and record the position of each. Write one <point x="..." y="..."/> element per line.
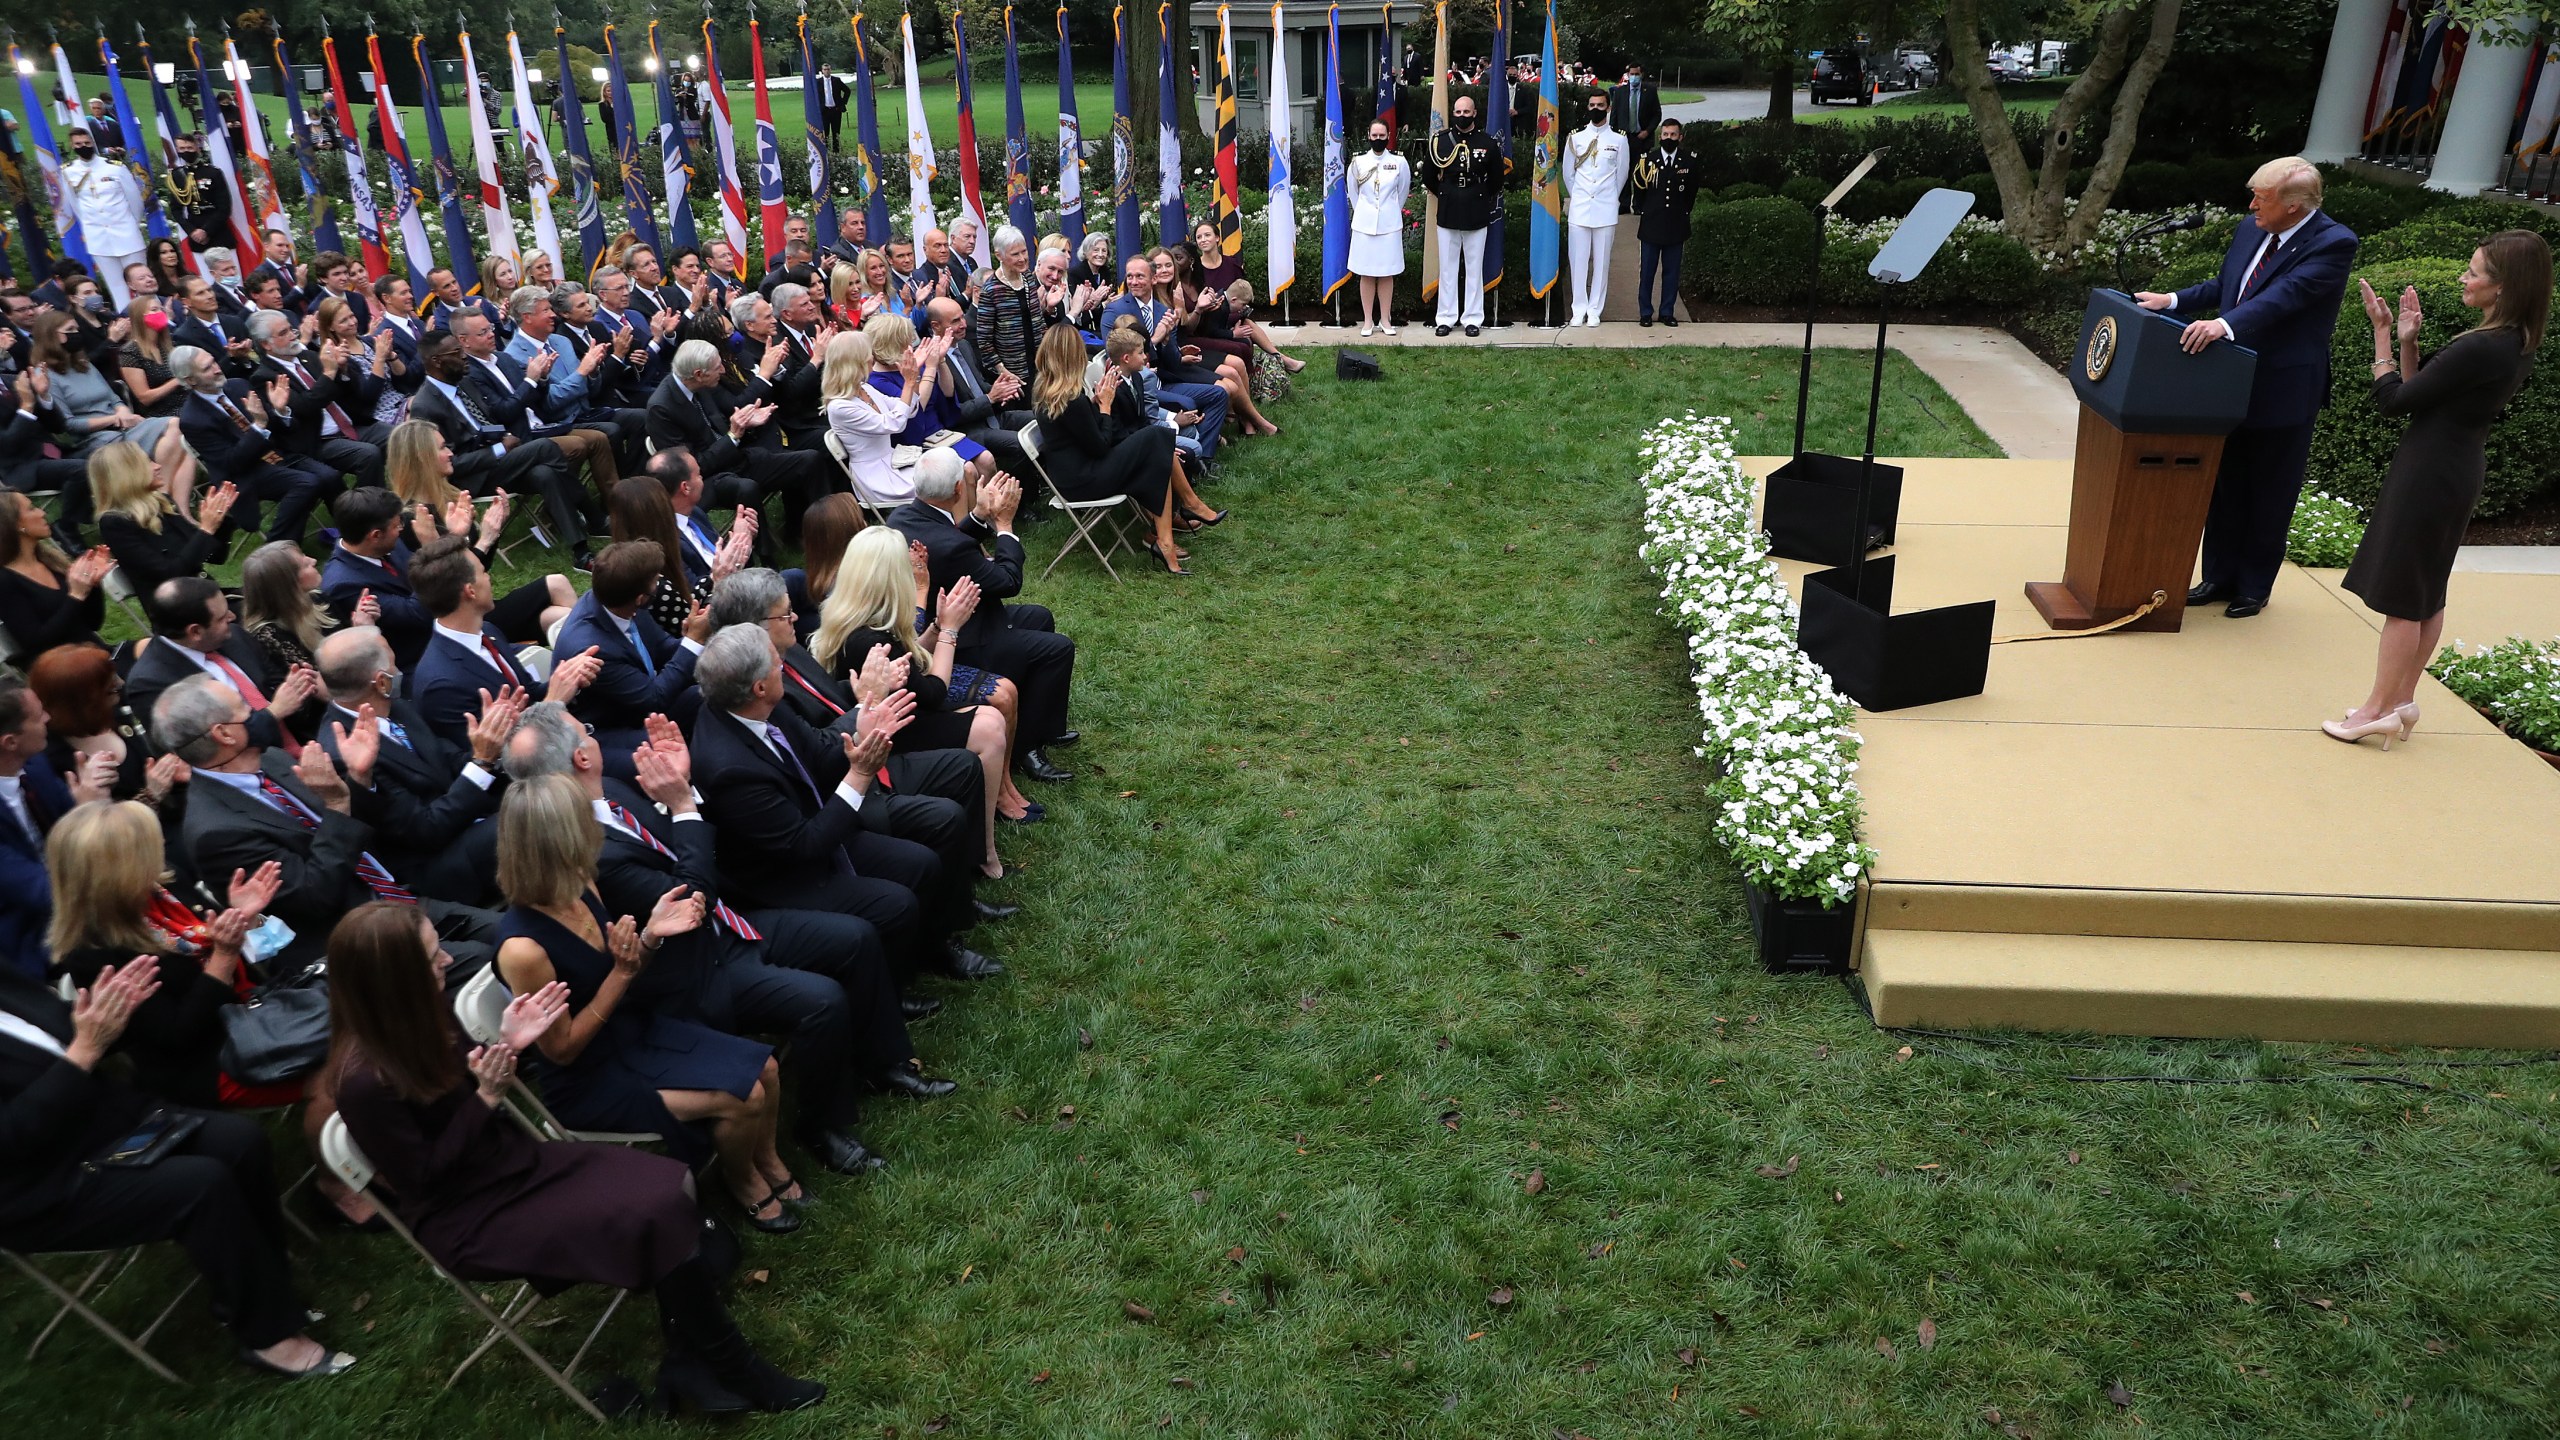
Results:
<point x="482" y="1008"/>
<point x="338" y="1148"/>
<point x="877" y="512"/>
<point x="92" y="1286"/>
<point x="1090" y="516"/>
<point x="120" y="590"/>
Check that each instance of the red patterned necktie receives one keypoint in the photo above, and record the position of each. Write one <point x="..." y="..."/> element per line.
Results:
<point x="368" y="869"/>
<point x="720" y="911"/>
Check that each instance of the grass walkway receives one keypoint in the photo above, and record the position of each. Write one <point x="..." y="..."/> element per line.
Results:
<point x="1382" y="1025"/>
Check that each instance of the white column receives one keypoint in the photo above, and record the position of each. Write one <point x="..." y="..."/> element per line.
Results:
<point x="2346" y="80"/>
<point x="2470" y="153"/>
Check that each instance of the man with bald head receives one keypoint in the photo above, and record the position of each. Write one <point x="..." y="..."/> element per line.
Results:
<point x="431" y="807"/>
<point x="992" y="411"/>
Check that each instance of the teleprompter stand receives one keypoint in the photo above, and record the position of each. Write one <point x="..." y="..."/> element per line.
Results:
<point x="1806" y="503"/>
<point x="1846" y="622"/>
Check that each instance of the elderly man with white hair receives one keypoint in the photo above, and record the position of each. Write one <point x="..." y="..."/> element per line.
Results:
<point x="323" y="399"/>
<point x="967" y="530"/>
<point x="2277" y="294"/>
<point x="236" y="430"/>
<point x="691" y="409"/>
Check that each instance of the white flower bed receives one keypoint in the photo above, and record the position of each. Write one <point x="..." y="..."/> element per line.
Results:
<point x="1781" y="738"/>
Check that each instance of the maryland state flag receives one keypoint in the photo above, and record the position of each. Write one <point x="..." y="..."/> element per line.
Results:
<point x="1230" y="202"/>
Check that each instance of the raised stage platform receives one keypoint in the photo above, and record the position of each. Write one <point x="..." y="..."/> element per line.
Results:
<point x="2147" y="833"/>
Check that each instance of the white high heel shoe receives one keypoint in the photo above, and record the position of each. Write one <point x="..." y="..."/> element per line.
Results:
<point x="2390" y="725"/>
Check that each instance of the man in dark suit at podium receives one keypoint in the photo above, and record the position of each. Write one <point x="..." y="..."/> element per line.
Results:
<point x="2278" y="294"/>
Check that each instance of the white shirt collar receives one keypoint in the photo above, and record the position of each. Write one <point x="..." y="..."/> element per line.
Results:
<point x="2287" y="233"/>
<point x="470" y="640"/>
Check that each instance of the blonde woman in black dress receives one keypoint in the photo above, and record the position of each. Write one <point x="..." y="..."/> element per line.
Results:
<point x="2451" y="398"/>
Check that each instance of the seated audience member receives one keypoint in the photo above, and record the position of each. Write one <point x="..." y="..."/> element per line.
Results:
<point x="469" y="660"/>
<point x="33" y="796"/>
<point x="193" y="634"/>
<point x="109" y="906"/>
<point x="642" y="669"/>
<point x="214" y="1193"/>
<point x="370" y="561"/>
<point x="86" y="715"/>
<point x="867" y="421"/>
<point x="426" y="800"/>
<point x="47" y="599"/>
<point x="320" y="421"/>
<point x="802" y="333"/>
<point x="641" y="511"/>
<point x="708" y="554"/>
<point x="89" y="409"/>
<point x="833" y="522"/>
<point x="247" y="805"/>
<point x="488" y="456"/>
<point x="561" y="388"/>
<point x="28" y="428"/>
<point x="142" y="367"/>
<point x="984" y="406"/>
<point x="151" y="539"/>
<point x="373" y="367"/>
<point x="237" y="429"/>
<point x="689" y="409"/>
<point x="1185" y="382"/>
<point x="419" y="466"/>
<point x="1074" y="306"/>
<point x="491" y="1203"/>
<point x="967" y="531"/>
<point x="280" y="605"/>
<point x="787" y="805"/>
<point x="1103" y="444"/>
<point x="206" y="324"/>
<point x="817" y="977"/>
<point x="616" y="1061"/>
<point x="936" y="406"/>
<point x="401" y="325"/>
<point x="867" y="639"/>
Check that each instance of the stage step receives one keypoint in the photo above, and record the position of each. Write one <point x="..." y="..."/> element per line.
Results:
<point x="2366" y="994"/>
<point x="2202" y="914"/>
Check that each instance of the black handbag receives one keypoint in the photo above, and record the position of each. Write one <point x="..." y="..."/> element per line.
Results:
<point x="279" y="1033"/>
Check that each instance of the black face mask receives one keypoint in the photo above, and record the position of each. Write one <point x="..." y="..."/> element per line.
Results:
<point x="1599" y="117"/>
<point x="1377" y="145"/>
<point x="1466" y="122"/>
<point x="83" y="151"/>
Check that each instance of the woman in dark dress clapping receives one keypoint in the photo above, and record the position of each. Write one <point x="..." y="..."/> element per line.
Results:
<point x="1102" y="444"/>
<point x="492" y="1203"/>
<point x="613" y="1063"/>
<point x="2451" y="398"/>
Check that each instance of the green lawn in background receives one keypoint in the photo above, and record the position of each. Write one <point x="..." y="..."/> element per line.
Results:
<point x="1382" y="1024"/>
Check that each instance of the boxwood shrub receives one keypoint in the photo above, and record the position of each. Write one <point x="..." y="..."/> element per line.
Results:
<point x="2351" y="450"/>
<point x="1750" y="252"/>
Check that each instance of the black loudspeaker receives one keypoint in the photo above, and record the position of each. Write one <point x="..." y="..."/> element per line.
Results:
<point x="1886" y="661"/>
<point x="1355" y="365"/>
<point x="1809" y="505"/>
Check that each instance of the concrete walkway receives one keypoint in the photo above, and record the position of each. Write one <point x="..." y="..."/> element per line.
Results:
<point x="2018" y="400"/>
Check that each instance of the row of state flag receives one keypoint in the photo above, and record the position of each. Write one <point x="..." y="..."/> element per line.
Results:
<point x="485" y="205"/>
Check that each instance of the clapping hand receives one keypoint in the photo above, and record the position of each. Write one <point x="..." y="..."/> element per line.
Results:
<point x="161" y="775"/>
<point x="299" y="685"/>
<point x="254" y="891"/>
<point x="99" y="1013"/>
<point x="87" y="570"/>
<point x="540" y="364"/>
<point x="622" y="942"/>
<point x="495" y="722"/>
<point x="877" y="676"/>
<point x="884" y="718"/>
<point x="957" y="604"/>
<point x="697" y="623"/>
<point x="366" y="611"/>
<point x="279" y="395"/>
<point x="320" y="776"/>
<point x="358" y="748"/>
<point x="529" y="1017"/>
<point x="230" y="929"/>
<point x="216" y="505"/>
<point x="94" y="778"/>
<point x="2410" y="318"/>
<point x="493" y="521"/>
<point x="920" y="561"/>
<point x="665" y="777"/>
<point x="457" y="514"/>
<point x="676" y="913"/>
<point x="493" y="1067"/>
<point x="732" y="555"/>
<point x="864" y="752"/>
<point x="572" y="675"/>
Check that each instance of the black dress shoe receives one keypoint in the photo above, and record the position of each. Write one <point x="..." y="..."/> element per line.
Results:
<point x="1038" y="765"/>
<point x="1031" y="816"/>
<point x="962" y="963"/>
<point x="989" y="910"/>
<point x="2209" y="592"/>
<point x="1069" y="737"/>
<point x="2243" y="608"/>
<point x="1671" y="320"/>
<point x="840" y="1152"/>
<point x="918" y="1007"/>
<point x="1644" y="322"/>
<point x="1441" y="330"/>
<point x="913" y="1083"/>
<point x="1474" y="330"/>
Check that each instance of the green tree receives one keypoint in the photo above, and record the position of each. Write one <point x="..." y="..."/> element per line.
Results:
<point x="2036" y="204"/>
<point x="1776" y="32"/>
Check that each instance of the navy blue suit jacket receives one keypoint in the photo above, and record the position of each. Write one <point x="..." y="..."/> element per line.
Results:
<point x="445" y="682"/>
<point x="405" y="622"/>
<point x="625" y="693"/>
<point x="26" y="894"/>
<point x="2288" y="316"/>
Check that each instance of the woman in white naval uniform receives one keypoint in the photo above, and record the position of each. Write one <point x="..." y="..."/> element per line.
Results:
<point x="1380" y="181"/>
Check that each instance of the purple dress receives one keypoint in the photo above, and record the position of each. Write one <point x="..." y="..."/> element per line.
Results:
<point x="942" y="412"/>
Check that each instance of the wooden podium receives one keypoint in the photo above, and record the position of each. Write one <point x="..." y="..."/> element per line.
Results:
<point x="2152" y="422"/>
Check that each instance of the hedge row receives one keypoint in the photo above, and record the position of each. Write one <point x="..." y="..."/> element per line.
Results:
<point x="1760" y="252"/>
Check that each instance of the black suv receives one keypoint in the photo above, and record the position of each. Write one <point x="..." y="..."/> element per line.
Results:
<point x="1840" y="75"/>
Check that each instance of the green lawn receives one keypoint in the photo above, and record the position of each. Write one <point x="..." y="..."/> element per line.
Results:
<point x="1421" y="1081"/>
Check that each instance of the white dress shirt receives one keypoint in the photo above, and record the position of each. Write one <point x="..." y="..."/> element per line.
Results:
<point x="2266" y="254"/>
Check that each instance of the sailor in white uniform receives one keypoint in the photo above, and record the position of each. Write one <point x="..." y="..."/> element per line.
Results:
<point x="1595" y="172"/>
<point x="108" y="201"/>
<point x="1380" y="181"/>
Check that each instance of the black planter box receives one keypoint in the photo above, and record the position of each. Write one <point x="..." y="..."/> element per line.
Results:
<point x="1800" y="937"/>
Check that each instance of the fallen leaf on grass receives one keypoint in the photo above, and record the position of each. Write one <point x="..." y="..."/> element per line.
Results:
<point x="1687" y="1357"/>
<point x="1751" y="1410"/>
<point x="1778" y="1172"/>
<point x="1449" y="1118"/>
<point x="1128" y="794"/>
<point x="965" y="1272"/>
<point x="2072" y="1156"/>
<point x="1236" y="1254"/>
<point x="1932" y="1165"/>
<point x="1084" y="1038"/>
<point x="1586" y="1367"/>
<point x="759" y="1277"/>
<point x="2247" y="1299"/>
<point x="1928" y="1333"/>
<point x="1443" y="1044"/>
<point x="356" y="1306"/>
<point x="937" y="1424"/>
<point x="2326" y="1304"/>
<point x="1185" y="1382"/>
<point x="1839" y="1199"/>
<point x="1040" y="1379"/>
<point x="1018" y="1113"/>
<point x="1508" y="934"/>
<point x="1475" y="1335"/>
<point x="1536" y="1184"/>
<point x="1602" y="1248"/>
<point x="1902" y="1054"/>
<point x="1307" y="1004"/>
<point x="2122" y="1397"/>
<point x="1136" y="1311"/>
<point x="1884" y="1347"/>
<point x="2436" y="1347"/>
<point x="1500" y="1296"/>
<point x="1736" y="1262"/>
